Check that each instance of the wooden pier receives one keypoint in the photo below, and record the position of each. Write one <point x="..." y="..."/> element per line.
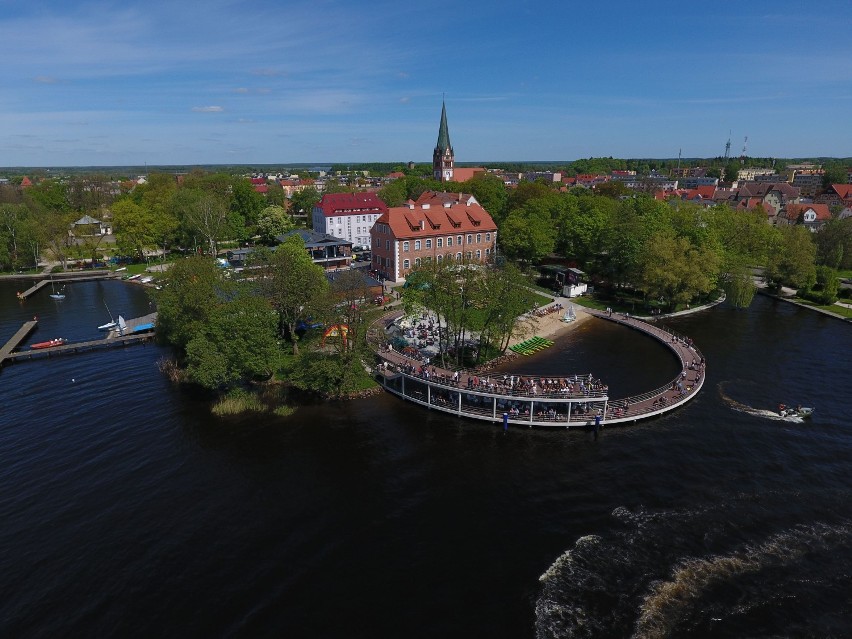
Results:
<point x="65" y="279"/>
<point x="9" y="354"/>
<point x="16" y="340"/>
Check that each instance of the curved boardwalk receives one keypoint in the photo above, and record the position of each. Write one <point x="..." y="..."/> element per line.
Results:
<point x="548" y="402"/>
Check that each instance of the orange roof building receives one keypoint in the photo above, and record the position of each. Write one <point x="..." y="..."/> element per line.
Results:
<point x="437" y="227"/>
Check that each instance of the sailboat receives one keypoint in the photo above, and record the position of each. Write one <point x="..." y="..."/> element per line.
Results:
<point x="111" y="323"/>
<point x="569" y="314"/>
<point x="57" y="296"/>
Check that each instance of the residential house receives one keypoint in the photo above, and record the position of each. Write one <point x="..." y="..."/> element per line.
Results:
<point x="812" y="216"/>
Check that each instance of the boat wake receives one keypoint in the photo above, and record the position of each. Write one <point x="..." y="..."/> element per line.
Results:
<point x="750" y="410"/>
<point x="676" y="574"/>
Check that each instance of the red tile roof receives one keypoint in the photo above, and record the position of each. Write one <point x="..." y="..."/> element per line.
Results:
<point x="351" y="204"/>
<point x="795" y="212"/>
<point x="843" y="190"/>
<point x="437" y="214"/>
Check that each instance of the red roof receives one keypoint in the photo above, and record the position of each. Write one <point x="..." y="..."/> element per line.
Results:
<point x="396" y="175"/>
<point x="797" y="211"/>
<point x="26" y="181"/>
<point x="333" y="204"/>
<point x="843" y="190"/>
<point x="437" y="214"/>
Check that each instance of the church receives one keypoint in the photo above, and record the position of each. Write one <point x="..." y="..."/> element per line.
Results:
<point x="438" y="227"/>
<point x="444" y="159"/>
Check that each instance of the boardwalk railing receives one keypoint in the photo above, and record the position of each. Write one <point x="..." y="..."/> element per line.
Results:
<point x="488" y="397"/>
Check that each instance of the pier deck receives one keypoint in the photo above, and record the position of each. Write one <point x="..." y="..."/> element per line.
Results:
<point x="16" y="340"/>
<point x="406" y="378"/>
<point x="66" y="279"/>
<point x="9" y="354"/>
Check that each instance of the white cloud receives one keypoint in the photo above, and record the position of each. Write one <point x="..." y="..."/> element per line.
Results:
<point x="208" y="109"/>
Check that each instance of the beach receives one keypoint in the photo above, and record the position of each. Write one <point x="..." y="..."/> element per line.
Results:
<point x="550" y="326"/>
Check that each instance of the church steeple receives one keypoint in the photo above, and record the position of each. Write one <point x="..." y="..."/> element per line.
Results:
<point x="443" y="157"/>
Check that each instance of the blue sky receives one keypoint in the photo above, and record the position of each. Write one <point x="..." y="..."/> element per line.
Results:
<point x="117" y="83"/>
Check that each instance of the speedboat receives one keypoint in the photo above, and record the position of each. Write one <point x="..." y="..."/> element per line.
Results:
<point x="799" y="411"/>
<point x="59" y="341"/>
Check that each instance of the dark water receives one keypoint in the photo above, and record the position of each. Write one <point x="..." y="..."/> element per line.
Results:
<point x="127" y="510"/>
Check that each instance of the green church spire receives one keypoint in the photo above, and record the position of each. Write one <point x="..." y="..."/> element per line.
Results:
<point x="444" y="131"/>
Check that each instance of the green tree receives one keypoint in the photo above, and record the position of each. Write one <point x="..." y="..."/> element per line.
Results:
<point x="490" y="192"/>
<point x="209" y="218"/>
<point x="791" y="261"/>
<point x="676" y="270"/>
<point x="293" y="284"/>
<point x="528" y="233"/>
<point x="192" y="289"/>
<point x="304" y="201"/>
<point x="246" y="202"/>
<point x="138" y="227"/>
<point x="272" y="222"/>
<point x="834" y="243"/>
<point x="236" y="342"/>
<point x="393" y="193"/>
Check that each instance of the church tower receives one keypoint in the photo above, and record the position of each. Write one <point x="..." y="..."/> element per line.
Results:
<point x="443" y="157"/>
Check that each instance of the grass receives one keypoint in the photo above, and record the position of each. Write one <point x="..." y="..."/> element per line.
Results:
<point x="237" y="402"/>
<point x="837" y="310"/>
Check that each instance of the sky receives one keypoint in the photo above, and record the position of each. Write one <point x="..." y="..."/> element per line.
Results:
<point x="328" y="81"/>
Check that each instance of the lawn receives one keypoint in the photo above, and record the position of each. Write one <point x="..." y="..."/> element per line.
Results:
<point x="833" y="308"/>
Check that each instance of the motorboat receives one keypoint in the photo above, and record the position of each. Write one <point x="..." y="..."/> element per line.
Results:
<point x="798" y="411"/>
<point x="59" y="341"/>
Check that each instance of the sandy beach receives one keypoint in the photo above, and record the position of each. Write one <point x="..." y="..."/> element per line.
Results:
<point x="551" y="326"/>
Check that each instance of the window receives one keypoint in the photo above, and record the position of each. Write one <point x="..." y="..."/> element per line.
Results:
<point x="387" y="245"/>
<point x="488" y="237"/>
<point x="428" y="259"/>
<point x="406" y="264"/>
<point x="416" y="261"/>
<point x="440" y="259"/>
<point x="470" y="239"/>
<point x="487" y="251"/>
<point x="449" y="241"/>
<point x="405" y="247"/>
<point x="416" y="245"/>
<point x="458" y="257"/>
<point x="428" y="244"/>
<point x="440" y="242"/>
<point x="479" y="254"/>
<point x="478" y="238"/>
<point x="470" y="255"/>
<point x="459" y="240"/>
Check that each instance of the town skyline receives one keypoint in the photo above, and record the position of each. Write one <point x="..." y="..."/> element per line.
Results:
<point x="160" y="85"/>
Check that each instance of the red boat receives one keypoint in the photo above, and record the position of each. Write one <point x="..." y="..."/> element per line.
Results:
<point x="59" y="341"/>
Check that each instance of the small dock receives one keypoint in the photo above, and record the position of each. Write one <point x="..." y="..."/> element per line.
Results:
<point x="16" y="340"/>
<point x="133" y="325"/>
<point x="78" y="347"/>
<point x="65" y="279"/>
<point x="8" y="353"/>
<point x="32" y="289"/>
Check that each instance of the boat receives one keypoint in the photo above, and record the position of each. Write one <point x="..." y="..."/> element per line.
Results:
<point x="59" y="341"/>
<point x="111" y="323"/>
<point x="800" y="411"/>
<point x="57" y="296"/>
